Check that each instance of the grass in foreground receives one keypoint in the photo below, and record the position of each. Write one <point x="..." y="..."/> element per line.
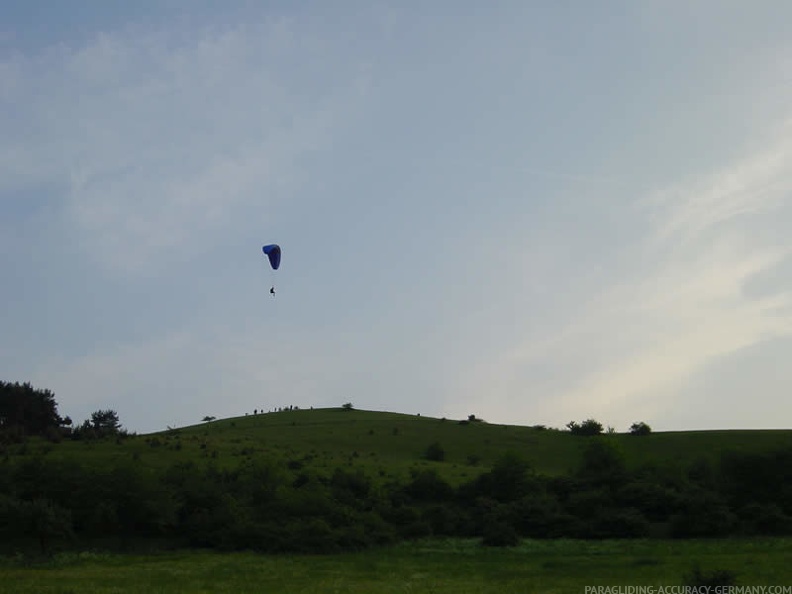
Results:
<point x="453" y="566"/>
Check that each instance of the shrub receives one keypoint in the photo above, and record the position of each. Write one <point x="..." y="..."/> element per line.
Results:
<point x="499" y="534"/>
<point x="764" y="518"/>
<point x="47" y="521"/>
<point x="703" y="514"/>
<point x="620" y="523"/>
<point x="656" y="501"/>
<point x="640" y="428"/>
<point x="427" y="485"/>
<point x="510" y="478"/>
<point x="539" y="515"/>
<point x="435" y="452"/>
<point x="586" y="428"/>
<point x="603" y="463"/>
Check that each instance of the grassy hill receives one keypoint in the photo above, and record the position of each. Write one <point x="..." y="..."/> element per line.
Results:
<point x="390" y="444"/>
<point x="333" y="479"/>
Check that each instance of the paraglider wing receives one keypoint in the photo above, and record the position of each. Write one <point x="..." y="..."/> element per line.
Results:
<point x="273" y="252"/>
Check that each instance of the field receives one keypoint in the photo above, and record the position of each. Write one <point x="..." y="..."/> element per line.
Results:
<point x="383" y="443"/>
<point x="452" y="567"/>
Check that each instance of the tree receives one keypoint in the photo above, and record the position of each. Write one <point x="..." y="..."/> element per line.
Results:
<point x="603" y="463"/>
<point x="27" y="410"/>
<point x="435" y="452"/>
<point x="105" y="422"/>
<point x="498" y="533"/>
<point x="588" y="427"/>
<point x="428" y="485"/>
<point x="348" y="406"/>
<point x="640" y="428"/>
<point x="47" y="520"/>
<point x="510" y="478"/>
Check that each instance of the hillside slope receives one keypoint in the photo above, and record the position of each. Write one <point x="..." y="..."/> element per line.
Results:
<point x="391" y="444"/>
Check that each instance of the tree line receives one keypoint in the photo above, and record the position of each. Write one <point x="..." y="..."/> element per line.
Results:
<point x="289" y="506"/>
<point x="26" y="411"/>
<point x="285" y="506"/>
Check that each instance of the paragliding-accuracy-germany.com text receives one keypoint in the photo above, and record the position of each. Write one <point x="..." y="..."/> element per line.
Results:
<point x="688" y="590"/>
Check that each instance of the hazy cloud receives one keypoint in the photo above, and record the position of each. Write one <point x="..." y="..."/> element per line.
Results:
<point x="680" y="306"/>
<point x="477" y="216"/>
<point x="158" y="138"/>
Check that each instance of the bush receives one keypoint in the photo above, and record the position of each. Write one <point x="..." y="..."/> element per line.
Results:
<point x="603" y="463"/>
<point x="586" y="428"/>
<point x="764" y="518"/>
<point x="350" y="487"/>
<point x="640" y="428"/>
<point x="656" y="501"/>
<point x="444" y="519"/>
<point x="510" y="478"/>
<point x="435" y="452"/>
<point x="620" y="523"/>
<point x="47" y="521"/>
<point x="539" y="515"/>
<point x="703" y="514"/>
<point x="499" y="534"/>
<point x="427" y="485"/>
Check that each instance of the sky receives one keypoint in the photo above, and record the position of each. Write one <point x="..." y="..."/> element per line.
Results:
<point x="534" y="212"/>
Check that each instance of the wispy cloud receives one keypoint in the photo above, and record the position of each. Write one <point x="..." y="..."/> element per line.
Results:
<point x="677" y="307"/>
<point x="755" y="186"/>
<point x="154" y="138"/>
<point x="478" y="221"/>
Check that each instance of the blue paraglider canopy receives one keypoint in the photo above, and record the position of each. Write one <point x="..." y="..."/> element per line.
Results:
<point x="273" y="252"/>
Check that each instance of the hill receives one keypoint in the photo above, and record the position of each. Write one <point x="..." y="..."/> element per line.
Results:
<point x="335" y="479"/>
<point x="392" y="444"/>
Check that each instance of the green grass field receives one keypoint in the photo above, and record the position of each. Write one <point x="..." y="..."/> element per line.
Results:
<point x="452" y="567"/>
<point x="390" y="444"/>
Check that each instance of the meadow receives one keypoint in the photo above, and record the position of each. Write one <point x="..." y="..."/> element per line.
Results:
<point x="339" y="500"/>
<point x="393" y="444"/>
<point x="432" y="566"/>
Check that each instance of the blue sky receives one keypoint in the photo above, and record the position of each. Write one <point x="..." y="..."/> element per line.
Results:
<point x="531" y="212"/>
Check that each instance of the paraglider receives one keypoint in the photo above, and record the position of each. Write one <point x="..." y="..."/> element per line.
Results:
<point x="273" y="252"/>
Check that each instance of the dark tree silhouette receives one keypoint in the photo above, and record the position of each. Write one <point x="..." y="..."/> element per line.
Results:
<point x="27" y="410"/>
<point x="640" y="428"/>
<point x="588" y="427"/>
<point x="105" y="420"/>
